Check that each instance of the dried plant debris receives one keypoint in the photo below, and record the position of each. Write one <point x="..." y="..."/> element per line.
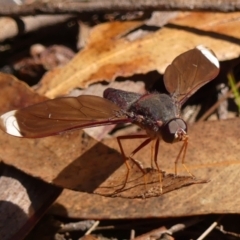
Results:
<point x="137" y="188"/>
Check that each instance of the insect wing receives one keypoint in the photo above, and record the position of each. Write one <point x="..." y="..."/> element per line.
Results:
<point x="62" y="114"/>
<point x="189" y="72"/>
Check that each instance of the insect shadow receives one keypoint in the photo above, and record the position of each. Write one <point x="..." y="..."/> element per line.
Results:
<point x="92" y="169"/>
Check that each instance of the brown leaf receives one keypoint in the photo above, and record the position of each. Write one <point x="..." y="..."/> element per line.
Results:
<point x="108" y="57"/>
<point x="16" y="94"/>
<point x="213" y="154"/>
<point x="75" y="161"/>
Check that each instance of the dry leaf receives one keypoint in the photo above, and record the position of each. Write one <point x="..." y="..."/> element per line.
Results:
<point x="109" y="55"/>
<point x="91" y="59"/>
<point x="16" y="94"/>
<point x="74" y="165"/>
<point x="213" y="154"/>
<point x="75" y="161"/>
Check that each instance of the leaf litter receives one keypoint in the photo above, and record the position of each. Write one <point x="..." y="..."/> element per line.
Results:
<point x="222" y="167"/>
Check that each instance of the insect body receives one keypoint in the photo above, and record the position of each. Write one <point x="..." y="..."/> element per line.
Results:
<point x="158" y="114"/>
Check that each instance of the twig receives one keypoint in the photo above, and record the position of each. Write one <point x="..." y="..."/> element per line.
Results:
<point x="154" y="234"/>
<point x="221" y="229"/>
<point x="132" y="234"/>
<point x="215" y="106"/>
<point x="90" y="6"/>
<point x="92" y="228"/>
<point x="77" y="226"/>
<point x="213" y="225"/>
<point x="12" y="27"/>
<point x="157" y="233"/>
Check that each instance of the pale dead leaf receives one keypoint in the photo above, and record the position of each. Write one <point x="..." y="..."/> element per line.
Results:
<point x="23" y="201"/>
<point x="213" y="22"/>
<point x="92" y="58"/>
<point x="109" y="55"/>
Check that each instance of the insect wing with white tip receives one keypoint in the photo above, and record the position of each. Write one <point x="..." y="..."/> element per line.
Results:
<point x="61" y="114"/>
<point x="190" y="71"/>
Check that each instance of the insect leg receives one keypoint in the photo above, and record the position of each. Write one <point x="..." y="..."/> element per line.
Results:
<point x="138" y="164"/>
<point x="178" y="156"/>
<point x="183" y="150"/>
<point x="156" y="148"/>
<point x="183" y="158"/>
<point x="152" y="152"/>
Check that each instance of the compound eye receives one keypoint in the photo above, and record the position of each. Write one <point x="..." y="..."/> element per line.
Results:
<point x="181" y="124"/>
<point x="169" y="129"/>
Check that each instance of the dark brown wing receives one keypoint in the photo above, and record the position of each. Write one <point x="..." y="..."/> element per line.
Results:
<point x="59" y="115"/>
<point x="190" y="71"/>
